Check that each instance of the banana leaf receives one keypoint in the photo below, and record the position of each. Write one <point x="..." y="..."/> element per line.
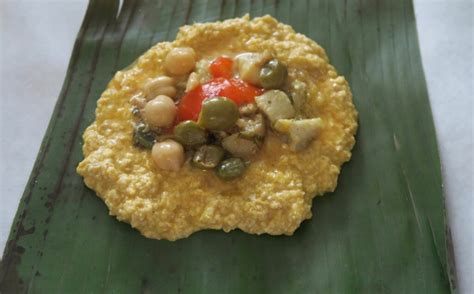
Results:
<point x="383" y="231"/>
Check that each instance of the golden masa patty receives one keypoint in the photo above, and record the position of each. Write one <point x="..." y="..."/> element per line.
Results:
<point x="275" y="193"/>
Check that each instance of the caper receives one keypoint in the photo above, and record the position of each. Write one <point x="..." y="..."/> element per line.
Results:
<point x="136" y="112"/>
<point x="273" y="74"/>
<point x="190" y="133"/>
<point x="218" y="114"/>
<point x="230" y="169"/>
<point x="142" y="127"/>
<point x="142" y="136"/>
<point x="208" y="156"/>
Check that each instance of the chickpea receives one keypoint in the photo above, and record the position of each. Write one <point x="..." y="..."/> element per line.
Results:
<point x="169" y="91"/>
<point x="162" y="85"/>
<point x="180" y="61"/>
<point x="160" y="112"/>
<point x="168" y="155"/>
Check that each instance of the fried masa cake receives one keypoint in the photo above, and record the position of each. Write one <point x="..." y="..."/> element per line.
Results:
<point x="235" y="124"/>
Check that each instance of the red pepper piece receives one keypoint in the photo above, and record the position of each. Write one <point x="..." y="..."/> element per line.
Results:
<point x="221" y="67"/>
<point x="235" y="89"/>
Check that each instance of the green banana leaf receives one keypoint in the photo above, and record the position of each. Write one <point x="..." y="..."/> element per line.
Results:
<point x="382" y="231"/>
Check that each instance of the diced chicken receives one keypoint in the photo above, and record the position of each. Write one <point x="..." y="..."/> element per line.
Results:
<point x="193" y="82"/>
<point x="252" y="126"/>
<point x="249" y="65"/>
<point x="202" y="69"/>
<point x="276" y="105"/>
<point x="301" y="132"/>
<point x="199" y="76"/>
<point x="248" y="109"/>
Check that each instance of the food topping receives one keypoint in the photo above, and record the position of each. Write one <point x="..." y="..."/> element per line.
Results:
<point x="230" y="169"/>
<point x="208" y="156"/>
<point x="273" y="74"/>
<point x="190" y="133"/>
<point x="193" y="82"/>
<point x="221" y="67"/>
<point x="248" y="109"/>
<point x="275" y="104"/>
<point x="143" y="136"/>
<point x="219" y="117"/>
<point x="136" y="111"/>
<point x="239" y="146"/>
<point x="234" y="89"/>
<point x="249" y="66"/>
<point x="301" y="132"/>
<point x="168" y="155"/>
<point x="162" y="85"/>
<point x="160" y="112"/>
<point x="180" y="61"/>
<point x="252" y="126"/>
<point x="218" y="114"/>
<point x="138" y="101"/>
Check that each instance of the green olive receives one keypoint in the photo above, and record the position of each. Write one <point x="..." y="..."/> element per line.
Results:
<point x="190" y="133"/>
<point x="273" y="74"/>
<point x="230" y="169"/>
<point x="208" y="156"/>
<point x="142" y="136"/>
<point x="218" y="114"/>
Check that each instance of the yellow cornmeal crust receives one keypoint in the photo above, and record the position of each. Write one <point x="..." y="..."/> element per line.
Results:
<point x="273" y="196"/>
